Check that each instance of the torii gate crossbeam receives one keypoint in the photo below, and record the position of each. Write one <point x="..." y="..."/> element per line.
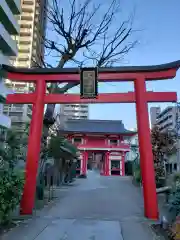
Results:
<point x="129" y="97"/>
<point x="139" y="75"/>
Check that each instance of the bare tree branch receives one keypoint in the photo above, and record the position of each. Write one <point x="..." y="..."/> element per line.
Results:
<point x="84" y="34"/>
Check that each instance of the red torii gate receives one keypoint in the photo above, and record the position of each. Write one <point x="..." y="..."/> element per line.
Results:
<point x="139" y="75"/>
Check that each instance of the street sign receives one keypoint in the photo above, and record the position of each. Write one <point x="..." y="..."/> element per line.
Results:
<point x="88" y="83"/>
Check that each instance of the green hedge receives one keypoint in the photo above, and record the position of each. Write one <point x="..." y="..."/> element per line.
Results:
<point x="129" y="168"/>
<point x="11" y="186"/>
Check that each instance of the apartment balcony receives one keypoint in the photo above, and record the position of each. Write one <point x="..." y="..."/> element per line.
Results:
<point x="17" y="119"/>
<point x="25" y="40"/>
<point x="23" y="57"/>
<point x="25" y="24"/>
<point x="12" y="109"/>
<point x="23" y="60"/>
<point x="25" y="32"/>
<point x="27" y="9"/>
<point x="8" y="19"/>
<point x="14" y="6"/>
<point x="17" y="109"/>
<point x="27" y="16"/>
<point x="20" y="89"/>
<point x="28" y="2"/>
<point x="6" y="110"/>
<point x="24" y="50"/>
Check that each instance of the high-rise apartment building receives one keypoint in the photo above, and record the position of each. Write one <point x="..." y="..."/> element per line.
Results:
<point x="9" y="27"/>
<point x="74" y="111"/>
<point x="167" y="118"/>
<point x="154" y="112"/>
<point x="32" y="23"/>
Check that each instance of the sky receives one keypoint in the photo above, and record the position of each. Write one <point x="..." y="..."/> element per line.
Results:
<point x="159" y="42"/>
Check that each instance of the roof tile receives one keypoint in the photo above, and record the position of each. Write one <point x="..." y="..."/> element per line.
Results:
<point x="95" y="126"/>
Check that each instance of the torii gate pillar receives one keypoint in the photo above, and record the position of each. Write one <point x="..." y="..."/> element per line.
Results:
<point x="145" y="147"/>
<point x="34" y="146"/>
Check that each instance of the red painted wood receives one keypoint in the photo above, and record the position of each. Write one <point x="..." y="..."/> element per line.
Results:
<point x="100" y="142"/>
<point x="84" y="162"/>
<point x="123" y="154"/>
<point x="145" y="147"/>
<point x="28" y="197"/>
<point x="106" y="173"/>
<point x="128" y="97"/>
<point x="102" y="77"/>
<point x="21" y="98"/>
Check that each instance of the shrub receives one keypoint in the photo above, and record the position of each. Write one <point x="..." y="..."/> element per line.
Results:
<point x="175" y="201"/>
<point x="137" y="175"/>
<point x="11" y="185"/>
<point x="129" y="168"/>
<point x="160" y="182"/>
<point x="176" y="177"/>
<point x="137" y="172"/>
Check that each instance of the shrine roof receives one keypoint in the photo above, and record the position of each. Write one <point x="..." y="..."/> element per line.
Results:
<point x="95" y="126"/>
<point x="122" y="69"/>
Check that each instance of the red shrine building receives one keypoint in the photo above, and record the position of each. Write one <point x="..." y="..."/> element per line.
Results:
<point x="103" y="144"/>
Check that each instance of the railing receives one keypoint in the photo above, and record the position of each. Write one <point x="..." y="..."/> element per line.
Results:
<point x="13" y="109"/>
<point x="28" y="2"/>
<point x="16" y="119"/>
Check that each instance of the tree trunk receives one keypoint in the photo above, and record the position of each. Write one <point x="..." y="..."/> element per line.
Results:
<point x="51" y="107"/>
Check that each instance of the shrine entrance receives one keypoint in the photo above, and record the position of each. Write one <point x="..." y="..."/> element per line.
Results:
<point x="138" y="75"/>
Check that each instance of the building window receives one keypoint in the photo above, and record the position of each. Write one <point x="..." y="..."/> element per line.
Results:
<point x="113" y="142"/>
<point x="175" y="166"/>
<point x="77" y="140"/>
<point x="115" y="164"/>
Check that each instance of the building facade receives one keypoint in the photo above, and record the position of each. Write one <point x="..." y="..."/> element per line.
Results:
<point x="9" y="27"/>
<point x="101" y="144"/>
<point x="74" y="111"/>
<point x="154" y="112"/>
<point x="133" y="154"/>
<point x="167" y="118"/>
<point x="30" y="51"/>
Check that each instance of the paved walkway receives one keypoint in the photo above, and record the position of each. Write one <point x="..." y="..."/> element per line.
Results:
<point x="96" y="208"/>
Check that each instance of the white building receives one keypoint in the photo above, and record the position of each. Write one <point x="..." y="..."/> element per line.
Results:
<point x="9" y="27"/>
<point x="74" y="111"/>
<point x="134" y="148"/>
<point x="165" y="119"/>
<point x="29" y="51"/>
<point x="154" y="112"/>
<point x="168" y="120"/>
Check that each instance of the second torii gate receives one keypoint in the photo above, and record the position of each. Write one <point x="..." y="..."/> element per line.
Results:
<point x="139" y="75"/>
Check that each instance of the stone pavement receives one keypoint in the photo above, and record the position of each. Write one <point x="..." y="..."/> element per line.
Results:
<point x="96" y="208"/>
